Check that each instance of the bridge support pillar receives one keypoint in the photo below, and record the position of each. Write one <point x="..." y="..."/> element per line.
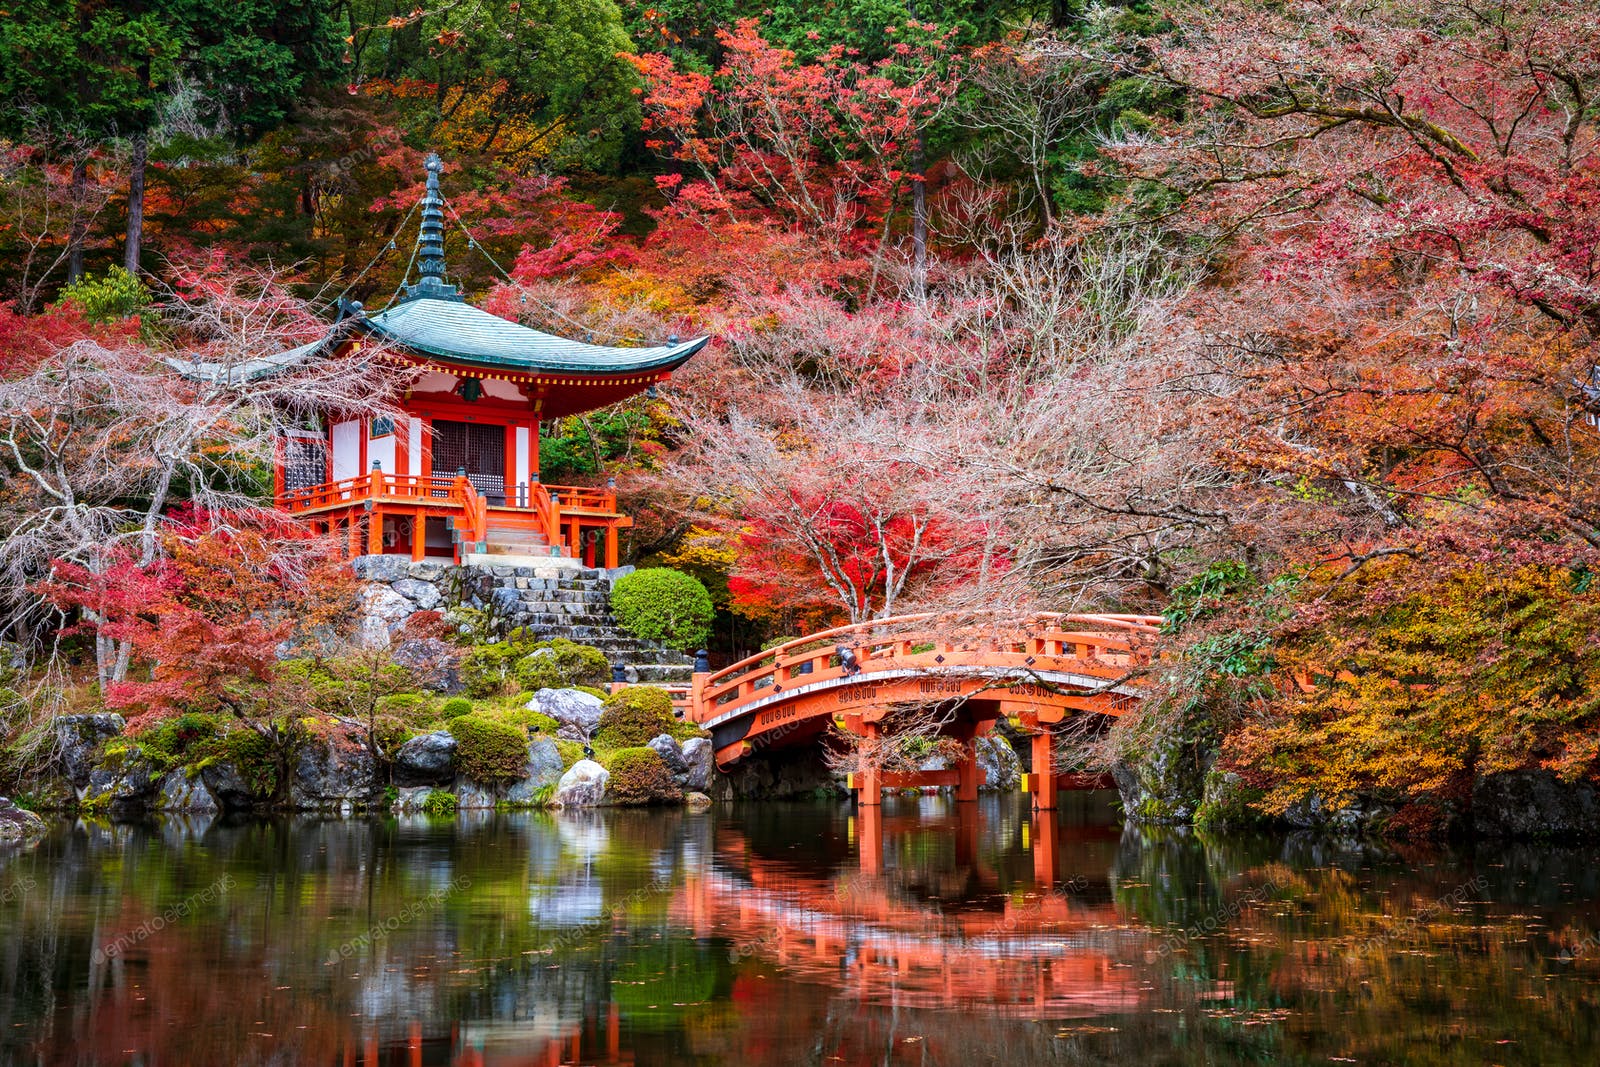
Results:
<point x="1043" y="777"/>
<point x="967" y="768"/>
<point x="869" y="781"/>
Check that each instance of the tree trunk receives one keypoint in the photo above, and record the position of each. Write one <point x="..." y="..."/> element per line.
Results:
<point x="141" y="151"/>
<point x="80" y="225"/>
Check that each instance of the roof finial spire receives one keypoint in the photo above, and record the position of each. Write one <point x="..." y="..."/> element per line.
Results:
<point x="430" y="238"/>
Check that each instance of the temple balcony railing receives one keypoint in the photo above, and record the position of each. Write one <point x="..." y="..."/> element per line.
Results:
<point x="563" y="516"/>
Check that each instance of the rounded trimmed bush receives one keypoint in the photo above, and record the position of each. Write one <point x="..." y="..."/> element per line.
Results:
<point x="641" y="776"/>
<point x="489" y="751"/>
<point x="562" y="664"/>
<point x="633" y="716"/>
<point x="664" y="605"/>
<point x="455" y="707"/>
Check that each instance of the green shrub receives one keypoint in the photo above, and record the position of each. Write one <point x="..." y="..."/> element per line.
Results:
<point x="455" y="707"/>
<point x="684" y="730"/>
<point x="641" y="776"/>
<point x="174" y="742"/>
<point x="251" y="754"/>
<point x="112" y="296"/>
<point x="664" y="605"/>
<point x="390" y="732"/>
<point x="489" y="751"/>
<point x="562" y="664"/>
<point x="540" y="722"/>
<point x="439" y="802"/>
<point x="633" y="716"/>
<point x="413" y="708"/>
<point x="571" y="752"/>
<point x="490" y="670"/>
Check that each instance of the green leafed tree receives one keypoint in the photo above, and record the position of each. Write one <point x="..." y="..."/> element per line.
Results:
<point x="522" y="80"/>
<point x="109" y="71"/>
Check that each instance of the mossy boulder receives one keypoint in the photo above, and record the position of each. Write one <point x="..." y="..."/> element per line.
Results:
<point x="640" y="776"/>
<point x="455" y="707"/>
<point x="562" y="664"/>
<point x="489" y="751"/>
<point x="631" y="717"/>
<point x="18" y="826"/>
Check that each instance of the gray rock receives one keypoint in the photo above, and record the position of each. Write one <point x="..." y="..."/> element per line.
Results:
<point x="472" y="796"/>
<point x="577" y="712"/>
<point x="1359" y="817"/>
<point x="78" y="741"/>
<point x="372" y="632"/>
<point x="410" y="801"/>
<point x="583" y="786"/>
<point x="793" y="772"/>
<point x="17" y="826"/>
<point x="426" y="571"/>
<point x="182" y="794"/>
<point x="1002" y="770"/>
<point x="424" y="594"/>
<point x="130" y="785"/>
<point x="696" y="801"/>
<point x="381" y="568"/>
<point x="667" y="747"/>
<point x="329" y="775"/>
<point x="698" y="760"/>
<point x="1162" y="786"/>
<point x="435" y="663"/>
<point x="544" y="769"/>
<point x="1534" y="803"/>
<point x="382" y="602"/>
<point x="228" y="786"/>
<point x="426" y="760"/>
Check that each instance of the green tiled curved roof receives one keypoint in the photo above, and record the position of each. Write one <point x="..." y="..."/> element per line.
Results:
<point x="456" y="331"/>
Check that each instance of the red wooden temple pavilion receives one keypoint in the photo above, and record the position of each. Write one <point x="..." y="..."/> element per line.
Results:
<point x="458" y="475"/>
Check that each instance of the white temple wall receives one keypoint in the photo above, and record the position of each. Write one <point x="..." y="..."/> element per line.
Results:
<point x="347" y="449"/>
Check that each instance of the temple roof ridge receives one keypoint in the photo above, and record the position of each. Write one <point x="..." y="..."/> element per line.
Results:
<point x="434" y="322"/>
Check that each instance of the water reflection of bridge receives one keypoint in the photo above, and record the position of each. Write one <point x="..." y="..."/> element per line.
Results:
<point x="1047" y="950"/>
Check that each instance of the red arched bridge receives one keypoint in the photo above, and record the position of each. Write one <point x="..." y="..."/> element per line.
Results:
<point x="1041" y="671"/>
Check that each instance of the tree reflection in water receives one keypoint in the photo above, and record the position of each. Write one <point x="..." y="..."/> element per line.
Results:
<point x="929" y="933"/>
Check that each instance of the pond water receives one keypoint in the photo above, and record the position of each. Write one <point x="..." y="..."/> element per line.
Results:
<point x="932" y="933"/>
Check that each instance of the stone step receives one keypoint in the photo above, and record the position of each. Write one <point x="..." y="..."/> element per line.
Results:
<point x="661" y="674"/>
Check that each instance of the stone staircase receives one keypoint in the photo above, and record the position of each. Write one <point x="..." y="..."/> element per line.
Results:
<point x="514" y="541"/>
<point x="574" y="603"/>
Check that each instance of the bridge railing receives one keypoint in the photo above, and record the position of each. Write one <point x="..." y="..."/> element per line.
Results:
<point x="1103" y="646"/>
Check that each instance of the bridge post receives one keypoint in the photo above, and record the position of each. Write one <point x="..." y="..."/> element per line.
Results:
<point x="869" y="788"/>
<point x="1043" y="775"/>
<point x="967" y="769"/>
